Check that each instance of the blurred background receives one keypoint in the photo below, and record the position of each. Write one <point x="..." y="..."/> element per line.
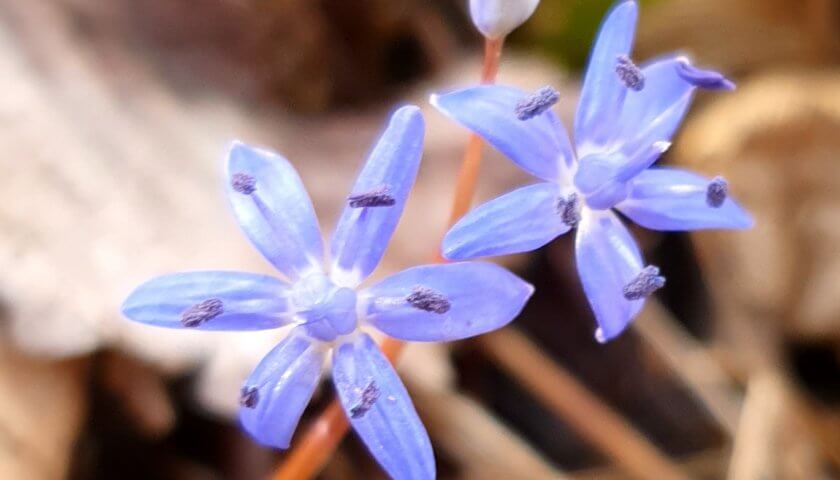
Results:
<point x="114" y="117"/>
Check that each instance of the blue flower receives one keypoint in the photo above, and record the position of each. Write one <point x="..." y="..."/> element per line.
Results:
<point x="625" y="121"/>
<point x="328" y="310"/>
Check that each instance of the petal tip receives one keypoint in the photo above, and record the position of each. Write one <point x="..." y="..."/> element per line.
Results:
<point x="409" y="110"/>
<point x="604" y="338"/>
<point x="236" y="143"/>
<point x="599" y="336"/>
<point x="631" y="6"/>
<point x="747" y="222"/>
<point x="529" y="290"/>
<point x="235" y="147"/>
<point x="265" y="441"/>
<point x="451" y="253"/>
<point x="441" y="100"/>
<point x="449" y="247"/>
<point x="125" y="309"/>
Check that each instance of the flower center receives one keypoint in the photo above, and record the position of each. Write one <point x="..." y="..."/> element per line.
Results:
<point x="324" y="309"/>
<point x="600" y="180"/>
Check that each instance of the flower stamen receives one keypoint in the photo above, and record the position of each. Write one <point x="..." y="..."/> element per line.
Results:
<point x="428" y="300"/>
<point x="249" y="397"/>
<point x="202" y="312"/>
<point x="243" y="183"/>
<point x="716" y="192"/>
<point x="378" y="197"/>
<point x="536" y="104"/>
<point x="569" y="209"/>
<point x="645" y="283"/>
<point x="369" y="397"/>
<point x="629" y="74"/>
<point x="705" y="79"/>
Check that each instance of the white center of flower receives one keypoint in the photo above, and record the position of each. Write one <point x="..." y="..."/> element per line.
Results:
<point x="600" y="181"/>
<point x="324" y="309"/>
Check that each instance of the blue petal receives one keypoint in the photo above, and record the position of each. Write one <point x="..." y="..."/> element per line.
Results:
<point x="210" y="301"/>
<point x="362" y="234"/>
<point x="278" y="390"/>
<point x="674" y="199"/>
<point x="607" y="260"/>
<point x="277" y="216"/>
<point x="519" y="221"/>
<point x="540" y="145"/>
<point x="442" y="303"/>
<point x="603" y="93"/>
<point x="380" y="410"/>
<point x="655" y="113"/>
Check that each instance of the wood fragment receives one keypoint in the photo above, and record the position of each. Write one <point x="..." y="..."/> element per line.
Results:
<point x="706" y="465"/>
<point x="483" y="446"/>
<point x="692" y="362"/>
<point x="756" y="450"/>
<point x="42" y="405"/>
<point x="561" y="392"/>
<point x="141" y="393"/>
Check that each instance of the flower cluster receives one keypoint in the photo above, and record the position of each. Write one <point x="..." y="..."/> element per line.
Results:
<point x="625" y="121"/>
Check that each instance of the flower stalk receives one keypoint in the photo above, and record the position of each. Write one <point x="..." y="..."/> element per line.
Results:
<point x="315" y="447"/>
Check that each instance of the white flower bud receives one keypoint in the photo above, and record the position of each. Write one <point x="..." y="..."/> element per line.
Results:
<point x="497" y="18"/>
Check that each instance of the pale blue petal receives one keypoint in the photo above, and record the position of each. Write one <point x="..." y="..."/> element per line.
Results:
<point x="442" y="303"/>
<point x="519" y="221"/>
<point x="607" y="260"/>
<point x="278" y="390"/>
<point x="674" y="199"/>
<point x="277" y="216"/>
<point x="210" y="301"/>
<point x="539" y="145"/>
<point x="603" y="93"/>
<point x="654" y="114"/>
<point x="380" y="410"/>
<point x="362" y="234"/>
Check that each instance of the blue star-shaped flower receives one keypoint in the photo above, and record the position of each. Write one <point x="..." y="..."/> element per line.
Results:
<point x="625" y="121"/>
<point x="426" y="303"/>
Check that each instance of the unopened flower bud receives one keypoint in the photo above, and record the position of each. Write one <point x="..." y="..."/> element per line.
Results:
<point x="497" y="18"/>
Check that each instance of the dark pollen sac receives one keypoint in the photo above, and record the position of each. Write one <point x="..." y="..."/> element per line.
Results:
<point x="249" y="397"/>
<point x="428" y="300"/>
<point x="629" y="74"/>
<point x="378" y="197"/>
<point x="536" y="104"/>
<point x="201" y="313"/>
<point x="647" y="282"/>
<point x="243" y="183"/>
<point x="716" y="192"/>
<point x="569" y="209"/>
<point x="369" y="397"/>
